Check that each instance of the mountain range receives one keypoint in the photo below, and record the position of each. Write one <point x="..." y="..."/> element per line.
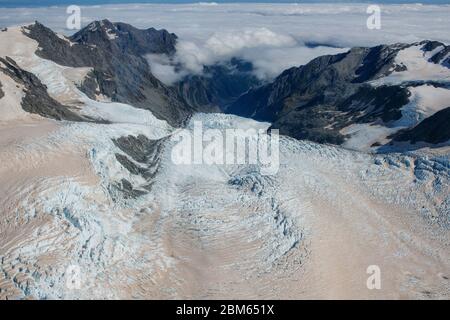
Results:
<point x="365" y="99"/>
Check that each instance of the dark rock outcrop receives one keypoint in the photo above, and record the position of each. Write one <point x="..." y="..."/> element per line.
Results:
<point x="441" y="56"/>
<point x="120" y="72"/>
<point x="2" y="94"/>
<point x="141" y="157"/>
<point x="434" y="130"/>
<point x="127" y="190"/>
<point x="36" y="99"/>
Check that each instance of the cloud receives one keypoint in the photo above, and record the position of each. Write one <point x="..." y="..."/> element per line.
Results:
<point x="272" y="36"/>
<point x="269" y="52"/>
<point x="225" y="45"/>
<point x="271" y="62"/>
<point x="207" y="3"/>
<point x="193" y="56"/>
<point x="164" y="69"/>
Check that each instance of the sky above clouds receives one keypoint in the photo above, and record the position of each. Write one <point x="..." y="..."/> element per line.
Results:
<point x="272" y="36"/>
<point x="35" y="3"/>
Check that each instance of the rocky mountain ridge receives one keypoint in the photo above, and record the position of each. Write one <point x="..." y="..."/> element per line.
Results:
<point x="119" y="71"/>
<point x="320" y="99"/>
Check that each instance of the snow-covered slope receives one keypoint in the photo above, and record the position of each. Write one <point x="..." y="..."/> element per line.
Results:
<point x="418" y="65"/>
<point x="359" y="99"/>
<point x="62" y="82"/>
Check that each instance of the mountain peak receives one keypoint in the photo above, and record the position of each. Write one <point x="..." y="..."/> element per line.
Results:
<point x="38" y="27"/>
<point x="125" y="37"/>
<point x="96" y="32"/>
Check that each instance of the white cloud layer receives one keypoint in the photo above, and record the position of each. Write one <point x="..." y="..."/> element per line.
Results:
<point x="273" y="36"/>
<point x="251" y="44"/>
<point x="162" y="67"/>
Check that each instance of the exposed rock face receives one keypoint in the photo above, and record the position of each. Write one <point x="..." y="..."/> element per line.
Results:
<point x="303" y="102"/>
<point x="120" y="72"/>
<point x="126" y="38"/>
<point x="442" y="56"/>
<point x="219" y="85"/>
<point x="2" y="94"/>
<point x="142" y="157"/>
<point x="435" y="129"/>
<point x="36" y="99"/>
<point x="317" y="100"/>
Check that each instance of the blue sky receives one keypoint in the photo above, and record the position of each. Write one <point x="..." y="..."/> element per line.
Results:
<point x="36" y="3"/>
